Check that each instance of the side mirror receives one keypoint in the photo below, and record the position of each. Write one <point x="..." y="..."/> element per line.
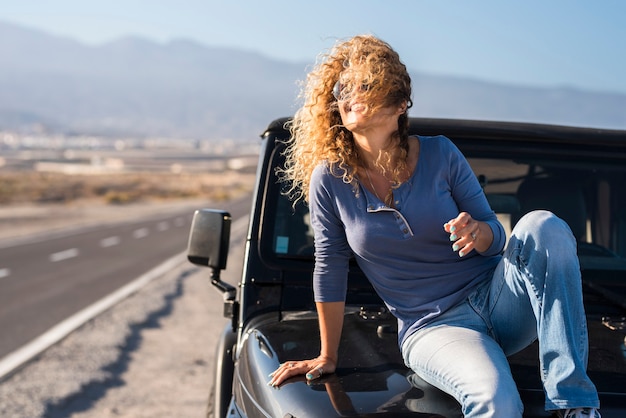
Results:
<point x="208" y="246"/>
<point x="209" y="238"/>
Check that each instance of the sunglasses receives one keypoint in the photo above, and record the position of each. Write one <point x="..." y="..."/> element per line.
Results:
<point x="339" y="90"/>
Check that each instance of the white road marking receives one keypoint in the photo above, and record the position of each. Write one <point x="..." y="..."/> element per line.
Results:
<point x="64" y="255"/>
<point x="141" y="233"/>
<point x="110" y="242"/>
<point x="17" y="358"/>
<point x="4" y="273"/>
<point x="163" y="226"/>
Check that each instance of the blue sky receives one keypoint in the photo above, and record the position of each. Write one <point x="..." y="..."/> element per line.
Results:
<point x="564" y="43"/>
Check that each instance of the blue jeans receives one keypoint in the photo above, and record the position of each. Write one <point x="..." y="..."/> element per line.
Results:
<point x="535" y="293"/>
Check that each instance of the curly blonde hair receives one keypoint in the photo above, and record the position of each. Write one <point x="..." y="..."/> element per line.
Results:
<point x="365" y="64"/>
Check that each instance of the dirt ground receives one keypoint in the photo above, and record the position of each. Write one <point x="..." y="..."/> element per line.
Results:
<point x="36" y="203"/>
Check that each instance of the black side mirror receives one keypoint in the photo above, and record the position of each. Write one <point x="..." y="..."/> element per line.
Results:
<point x="208" y="246"/>
<point x="209" y="238"/>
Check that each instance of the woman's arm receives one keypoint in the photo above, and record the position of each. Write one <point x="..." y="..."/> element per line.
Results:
<point x="331" y="323"/>
<point x="477" y="226"/>
<point x="330" y="277"/>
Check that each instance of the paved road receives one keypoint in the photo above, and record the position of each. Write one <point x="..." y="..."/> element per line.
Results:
<point x="44" y="282"/>
<point x="150" y="355"/>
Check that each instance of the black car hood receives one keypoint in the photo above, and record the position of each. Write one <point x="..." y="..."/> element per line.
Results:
<point x="372" y="380"/>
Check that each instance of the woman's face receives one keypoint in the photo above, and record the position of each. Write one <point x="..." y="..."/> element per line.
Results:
<point x="352" y="107"/>
<point x="357" y="117"/>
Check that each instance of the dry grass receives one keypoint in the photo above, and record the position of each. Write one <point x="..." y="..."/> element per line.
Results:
<point x="43" y="188"/>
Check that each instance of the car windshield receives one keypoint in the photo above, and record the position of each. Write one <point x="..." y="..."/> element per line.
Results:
<point x="590" y="197"/>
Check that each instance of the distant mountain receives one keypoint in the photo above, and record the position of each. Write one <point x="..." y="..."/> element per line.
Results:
<point x="184" y="89"/>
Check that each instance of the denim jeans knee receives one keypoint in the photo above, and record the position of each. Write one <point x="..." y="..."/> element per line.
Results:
<point x="456" y="354"/>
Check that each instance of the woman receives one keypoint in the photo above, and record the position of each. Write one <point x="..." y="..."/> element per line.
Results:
<point x="411" y="212"/>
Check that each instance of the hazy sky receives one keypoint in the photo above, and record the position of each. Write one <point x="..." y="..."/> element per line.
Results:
<point x="570" y="43"/>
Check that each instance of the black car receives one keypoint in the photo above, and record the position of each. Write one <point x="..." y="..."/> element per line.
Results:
<point x="578" y="173"/>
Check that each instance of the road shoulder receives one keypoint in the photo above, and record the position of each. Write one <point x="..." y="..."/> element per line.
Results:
<point x="149" y="356"/>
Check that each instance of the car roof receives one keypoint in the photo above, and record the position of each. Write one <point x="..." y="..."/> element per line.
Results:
<point x="491" y="137"/>
<point x="497" y="129"/>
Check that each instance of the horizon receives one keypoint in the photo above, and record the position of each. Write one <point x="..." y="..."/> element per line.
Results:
<point x="561" y="44"/>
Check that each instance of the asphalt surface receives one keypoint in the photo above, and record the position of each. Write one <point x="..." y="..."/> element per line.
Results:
<point x="149" y="355"/>
<point x="48" y="280"/>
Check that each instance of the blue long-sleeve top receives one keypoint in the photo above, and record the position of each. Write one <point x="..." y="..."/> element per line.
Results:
<point x="403" y="251"/>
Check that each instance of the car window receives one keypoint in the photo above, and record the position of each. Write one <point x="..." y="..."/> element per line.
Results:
<point x="293" y="235"/>
<point x="589" y="197"/>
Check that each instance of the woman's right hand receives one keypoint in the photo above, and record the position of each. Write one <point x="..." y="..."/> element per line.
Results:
<point x="312" y="369"/>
